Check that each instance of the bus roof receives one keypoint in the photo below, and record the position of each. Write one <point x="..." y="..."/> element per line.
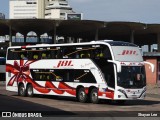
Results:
<point x="109" y="42"/>
<point x="120" y="43"/>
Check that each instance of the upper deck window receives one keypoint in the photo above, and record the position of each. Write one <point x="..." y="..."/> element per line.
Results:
<point x="63" y="52"/>
<point x="91" y="52"/>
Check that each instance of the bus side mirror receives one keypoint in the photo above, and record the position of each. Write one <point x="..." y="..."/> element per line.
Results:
<point x="151" y="65"/>
<point x="118" y="64"/>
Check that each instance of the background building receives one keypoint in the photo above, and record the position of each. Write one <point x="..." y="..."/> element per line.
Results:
<point x="20" y="9"/>
<point x="57" y="9"/>
<point x="2" y="16"/>
<point x="40" y="9"/>
<point x="49" y="9"/>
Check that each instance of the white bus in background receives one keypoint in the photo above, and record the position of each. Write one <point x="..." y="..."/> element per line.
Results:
<point x="88" y="71"/>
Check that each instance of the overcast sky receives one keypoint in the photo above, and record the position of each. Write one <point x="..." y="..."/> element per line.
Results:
<point x="147" y="11"/>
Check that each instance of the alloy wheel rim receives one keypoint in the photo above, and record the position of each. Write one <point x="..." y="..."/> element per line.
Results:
<point x="29" y="91"/>
<point x="94" y="96"/>
<point x="82" y="95"/>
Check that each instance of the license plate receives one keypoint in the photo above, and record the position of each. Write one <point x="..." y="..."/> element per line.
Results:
<point x="134" y="98"/>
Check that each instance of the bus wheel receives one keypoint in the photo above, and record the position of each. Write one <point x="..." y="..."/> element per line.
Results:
<point x="82" y="96"/>
<point x="29" y="90"/>
<point x="94" y="96"/>
<point x="21" y="90"/>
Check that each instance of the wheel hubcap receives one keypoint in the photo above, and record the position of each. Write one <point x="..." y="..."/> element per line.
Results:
<point x="21" y="90"/>
<point x="29" y="91"/>
<point x="94" y="96"/>
<point x="82" y="95"/>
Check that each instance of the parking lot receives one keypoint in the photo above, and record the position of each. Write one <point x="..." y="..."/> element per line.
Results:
<point x="53" y="105"/>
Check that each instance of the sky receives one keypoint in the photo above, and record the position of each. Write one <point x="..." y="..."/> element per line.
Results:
<point x="146" y="11"/>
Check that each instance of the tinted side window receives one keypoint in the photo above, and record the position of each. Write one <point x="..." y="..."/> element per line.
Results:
<point x="64" y="75"/>
<point x="42" y="75"/>
<point x="84" y="76"/>
<point x="101" y="52"/>
<point x="10" y="55"/>
<point x="23" y="55"/>
<point x="52" y="75"/>
<point x="13" y="55"/>
<point x="56" y="53"/>
<point x="69" y="52"/>
<point x="59" y="53"/>
<point x="81" y="76"/>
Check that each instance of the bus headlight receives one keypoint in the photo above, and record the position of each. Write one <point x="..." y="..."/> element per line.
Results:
<point x="122" y="91"/>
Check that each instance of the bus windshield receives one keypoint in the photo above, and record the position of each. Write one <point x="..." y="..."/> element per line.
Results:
<point x="132" y="77"/>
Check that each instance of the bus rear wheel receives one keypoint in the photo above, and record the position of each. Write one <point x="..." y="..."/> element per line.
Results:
<point x="94" y="96"/>
<point x="82" y="96"/>
<point x="21" y="90"/>
<point x="29" y="90"/>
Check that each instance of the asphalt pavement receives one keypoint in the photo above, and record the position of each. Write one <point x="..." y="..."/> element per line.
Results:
<point x="63" y="106"/>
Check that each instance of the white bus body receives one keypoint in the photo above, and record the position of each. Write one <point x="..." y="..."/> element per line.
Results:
<point x="94" y="70"/>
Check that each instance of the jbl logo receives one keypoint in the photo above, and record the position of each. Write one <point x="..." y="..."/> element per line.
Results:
<point x="129" y="52"/>
<point x="64" y="63"/>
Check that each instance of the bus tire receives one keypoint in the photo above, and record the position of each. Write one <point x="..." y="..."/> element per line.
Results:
<point x="21" y="90"/>
<point x="29" y="90"/>
<point x="82" y="96"/>
<point x="94" y="96"/>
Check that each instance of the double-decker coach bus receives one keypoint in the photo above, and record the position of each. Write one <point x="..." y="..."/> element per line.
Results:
<point x="88" y="71"/>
